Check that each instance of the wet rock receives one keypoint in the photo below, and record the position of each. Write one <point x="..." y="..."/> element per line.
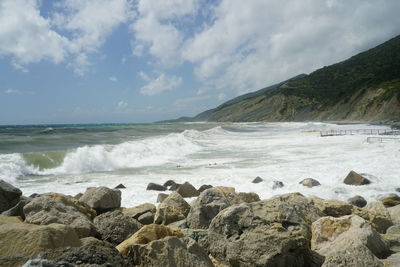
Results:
<point x="102" y="199"/>
<point x="120" y="186"/>
<point x="156" y="187"/>
<point x="257" y="180"/>
<point x="30" y="239"/>
<point x="334" y="208"/>
<point x="169" y="183"/>
<point x="161" y="197"/>
<point x="209" y="204"/>
<point x="115" y="227"/>
<point x="354" y="178"/>
<point x="139" y="210"/>
<point x="169" y="252"/>
<point x="174" y="187"/>
<point x="248" y="197"/>
<point x="204" y="187"/>
<point x="309" y="182"/>
<point x="9" y="196"/>
<point x="187" y="190"/>
<point x="277" y="184"/>
<point x="34" y="195"/>
<point x="173" y="208"/>
<point x="45" y="210"/>
<point x="146" y="234"/>
<point x="17" y="210"/>
<point x="238" y="234"/>
<point x="390" y="200"/>
<point x="358" y="201"/>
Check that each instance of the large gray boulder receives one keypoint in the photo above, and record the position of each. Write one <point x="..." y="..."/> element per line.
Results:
<point x="354" y="178"/>
<point x="115" y="227"/>
<point x="209" y="204"/>
<point x="309" y="182"/>
<point x="102" y="198"/>
<point x="248" y="197"/>
<point x="174" y="208"/>
<point x="274" y="232"/>
<point x="169" y="252"/>
<point x="9" y="196"/>
<point x="187" y="190"/>
<point x="144" y="213"/>
<point x="357" y="201"/>
<point x="44" y="210"/>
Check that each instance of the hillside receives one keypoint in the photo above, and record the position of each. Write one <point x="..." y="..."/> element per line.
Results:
<point x="365" y="87"/>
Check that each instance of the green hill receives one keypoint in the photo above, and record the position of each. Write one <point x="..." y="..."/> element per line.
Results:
<point x="365" y="87"/>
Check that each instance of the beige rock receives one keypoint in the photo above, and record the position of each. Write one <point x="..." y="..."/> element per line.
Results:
<point x="174" y="208"/>
<point x="102" y="198"/>
<point x="395" y="214"/>
<point x="334" y="208"/>
<point x="9" y="219"/>
<point x="248" y="197"/>
<point x="147" y="234"/>
<point x="30" y="239"/>
<point x="139" y="210"/>
<point x="377" y="214"/>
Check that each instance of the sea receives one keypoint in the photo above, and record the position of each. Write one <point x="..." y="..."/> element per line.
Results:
<point x="70" y="158"/>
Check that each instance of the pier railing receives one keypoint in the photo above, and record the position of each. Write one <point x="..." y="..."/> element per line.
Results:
<point x="360" y="131"/>
<point x="376" y="139"/>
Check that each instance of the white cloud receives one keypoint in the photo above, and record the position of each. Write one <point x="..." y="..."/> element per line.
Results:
<point x="18" y="92"/>
<point x="121" y="105"/>
<point x="160" y="84"/>
<point x="113" y="79"/>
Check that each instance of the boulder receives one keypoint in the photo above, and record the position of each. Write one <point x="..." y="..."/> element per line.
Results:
<point x="334" y="208"/>
<point x="173" y="208"/>
<point x="277" y="184"/>
<point x="73" y="202"/>
<point x="120" y="186"/>
<point x="93" y="252"/>
<point x="357" y="201"/>
<point x="204" y="187"/>
<point x="101" y="198"/>
<point x="354" y="178"/>
<point x="174" y="187"/>
<point x="30" y="239"/>
<point x="146" y="234"/>
<point x="309" y="182"/>
<point x="248" y="197"/>
<point x="139" y="210"/>
<point x="115" y="227"/>
<point x="169" y="252"/>
<point x="394" y="213"/>
<point x="17" y="210"/>
<point x="393" y="236"/>
<point x="376" y="214"/>
<point x="169" y="183"/>
<point x="273" y="232"/>
<point x="9" y="196"/>
<point x="390" y="200"/>
<point x="146" y="218"/>
<point x="209" y="204"/>
<point x="257" y="180"/>
<point x="45" y="210"/>
<point x="187" y="190"/>
<point x="180" y="224"/>
<point x="156" y="187"/>
<point x="161" y="197"/>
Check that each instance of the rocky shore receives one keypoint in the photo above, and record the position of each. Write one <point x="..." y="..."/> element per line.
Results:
<point x="221" y="227"/>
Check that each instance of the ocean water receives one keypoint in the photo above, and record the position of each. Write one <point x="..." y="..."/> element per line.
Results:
<point x="69" y="158"/>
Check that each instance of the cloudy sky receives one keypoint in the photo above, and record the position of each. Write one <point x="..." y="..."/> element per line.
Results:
<point x="93" y="61"/>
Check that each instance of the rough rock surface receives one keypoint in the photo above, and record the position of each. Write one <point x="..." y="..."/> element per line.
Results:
<point x="115" y="227"/>
<point x="334" y="208"/>
<point x="139" y="210"/>
<point x="30" y="239"/>
<point x="209" y="204"/>
<point x="156" y="187"/>
<point x="257" y="180"/>
<point x="187" y="190"/>
<point x="395" y="214"/>
<point x="101" y="198"/>
<point x="9" y="196"/>
<point x="238" y="234"/>
<point x="377" y="214"/>
<point x="248" y="197"/>
<point x="354" y="178"/>
<point x="309" y="182"/>
<point x="146" y="234"/>
<point x="161" y="197"/>
<point x="390" y="200"/>
<point x="173" y="208"/>
<point x="358" y="201"/>
<point x="200" y="236"/>
<point x="73" y="202"/>
<point x="169" y="252"/>
<point x="45" y="210"/>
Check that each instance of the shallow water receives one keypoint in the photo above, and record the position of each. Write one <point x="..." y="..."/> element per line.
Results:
<point x="67" y="159"/>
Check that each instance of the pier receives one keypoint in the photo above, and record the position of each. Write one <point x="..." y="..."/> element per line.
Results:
<point x="359" y="131"/>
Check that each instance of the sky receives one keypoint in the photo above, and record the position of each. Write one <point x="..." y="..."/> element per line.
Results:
<point x="127" y="61"/>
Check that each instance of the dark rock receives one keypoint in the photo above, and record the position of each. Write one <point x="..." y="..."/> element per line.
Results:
<point x="257" y="180"/>
<point x="354" y="178"/>
<point x="357" y="201"/>
<point x="161" y="197"/>
<point x="209" y="204"/>
<point x="238" y="234"/>
<point x="146" y="218"/>
<point x="310" y="182"/>
<point x="277" y="184"/>
<point x="390" y="200"/>
<point x="17" y="210"/>
<point x="169" y="183"/>
<point x="34" y="195"/>
<point x="248" y="197"/>
<point x="204" y="187"/>
<point x="156" y="187"/>
<point x="173" y="208"/>
<point x="200" y="236"/>
<point x="120" y="186"/>
<point x="9" y="196"/>
<point x="174" y="187"/>
<point x="187" y="190"/>
<point x="397" y="189"/>
<point x="102" y="199"/>
<point x="115" y="227"/>
<point x="92" y="253"/>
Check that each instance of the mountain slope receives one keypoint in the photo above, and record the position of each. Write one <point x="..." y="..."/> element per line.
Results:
<point x="365" y="87"/>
